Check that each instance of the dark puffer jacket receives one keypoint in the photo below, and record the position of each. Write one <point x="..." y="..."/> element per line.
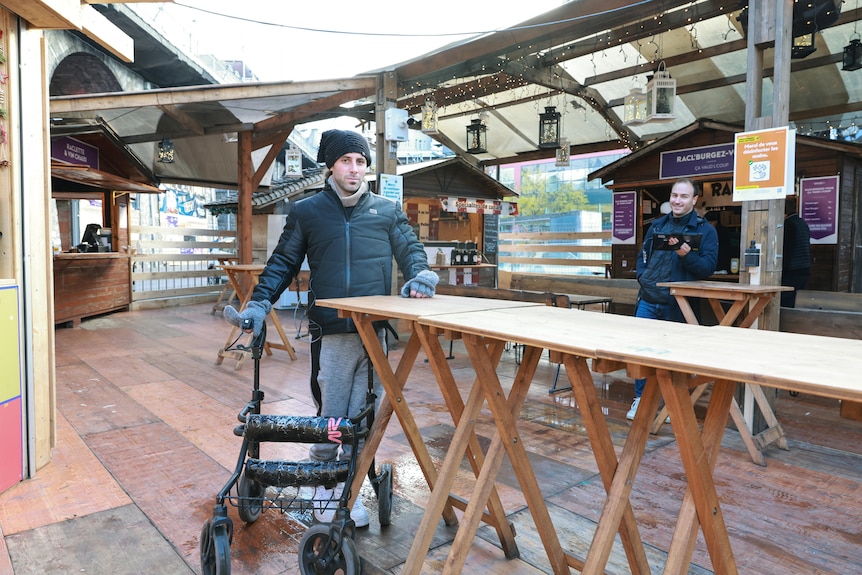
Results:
<point x="656" y="266"/>
<point x="349" y="253"/>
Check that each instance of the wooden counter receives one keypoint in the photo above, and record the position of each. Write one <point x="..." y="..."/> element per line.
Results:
<point x="90" y="284"/>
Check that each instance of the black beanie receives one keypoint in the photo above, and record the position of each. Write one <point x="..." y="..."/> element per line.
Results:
<point x="336" y="143"/>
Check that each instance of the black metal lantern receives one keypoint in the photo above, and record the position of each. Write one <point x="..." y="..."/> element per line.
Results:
<point x="549" y="128"/>
<point x="429" y="115"/>
<point x="852" y="55"/>
<point x="166" y="151"/>
<point x="477" y="139"/>
<point x="803" y="46"/>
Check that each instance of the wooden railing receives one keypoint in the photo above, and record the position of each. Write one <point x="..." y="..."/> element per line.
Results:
<point x="178" y="263"/>
<point x="534" y="251"/>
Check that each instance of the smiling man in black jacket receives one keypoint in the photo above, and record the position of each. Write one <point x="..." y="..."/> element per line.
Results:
<point x="677" y="260"/>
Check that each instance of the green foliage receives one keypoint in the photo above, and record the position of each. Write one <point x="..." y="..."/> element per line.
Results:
<point x="549" y="196"/>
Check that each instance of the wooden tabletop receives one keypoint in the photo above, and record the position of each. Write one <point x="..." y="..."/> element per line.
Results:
<point x="243" y="267"/>
<point x="797" y="362"/>
<point x="706" y="288"/>
<point x="397" y="307"/>
<point x="580" y="299"/>
<point x="565" y="330"/>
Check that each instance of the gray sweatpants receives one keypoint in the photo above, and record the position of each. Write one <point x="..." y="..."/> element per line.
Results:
<point x="343" y="385"/>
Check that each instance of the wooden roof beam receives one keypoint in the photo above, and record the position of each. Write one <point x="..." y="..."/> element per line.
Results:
<point x="475" y="88"/>
<point x="634" y="29"/>
<point x="91" y="103"/>
<point x="277" y="123"/>
<point x="579" y="19"/>
<point x="183" y="119"/>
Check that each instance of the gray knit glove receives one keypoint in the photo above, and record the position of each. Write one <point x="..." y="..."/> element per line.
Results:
<point x="255" y="312"/>
<point x="424" y="284"/>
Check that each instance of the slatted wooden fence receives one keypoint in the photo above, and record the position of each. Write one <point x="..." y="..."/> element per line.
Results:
<point x="579" y="253"/>
<point x="172" y="264"/>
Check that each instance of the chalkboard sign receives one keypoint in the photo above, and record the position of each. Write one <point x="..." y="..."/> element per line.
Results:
<point x="491" y="235"/>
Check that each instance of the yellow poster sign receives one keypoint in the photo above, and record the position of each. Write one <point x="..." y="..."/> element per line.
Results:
<point x="764" y="164"/>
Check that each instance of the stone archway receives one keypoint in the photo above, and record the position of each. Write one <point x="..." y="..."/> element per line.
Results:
<point x="82" y="73"/>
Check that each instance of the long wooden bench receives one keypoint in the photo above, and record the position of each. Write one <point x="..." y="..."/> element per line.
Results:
<point x="495" y="293"/>
<point x="833" y="314"/>
<point x="623" y="292"/>
<point x="829" y="300"/>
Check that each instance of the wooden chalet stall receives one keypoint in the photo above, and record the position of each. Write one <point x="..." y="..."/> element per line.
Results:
<point x="91" y="243"/>
<point x="835" y="266"/>
<point x="455" y="208"/>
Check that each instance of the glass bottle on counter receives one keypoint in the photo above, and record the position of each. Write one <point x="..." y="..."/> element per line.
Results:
<point x="469" y="248"/>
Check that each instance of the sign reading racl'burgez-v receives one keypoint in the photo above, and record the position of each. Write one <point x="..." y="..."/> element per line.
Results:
<point x="701" y="161"/>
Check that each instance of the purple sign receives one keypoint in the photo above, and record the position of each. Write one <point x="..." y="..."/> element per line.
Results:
<point x="72" y="151"/>
<point x="625" y="216"/>
<point x="818" y="201"/>
<point x="701" y="161"/>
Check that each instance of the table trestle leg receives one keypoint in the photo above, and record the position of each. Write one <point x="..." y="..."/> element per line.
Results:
<point x="506" y="411"/>
<point x="698" y="451"/>
<point x="590" y="408"/>
<point x="449" y="388"/>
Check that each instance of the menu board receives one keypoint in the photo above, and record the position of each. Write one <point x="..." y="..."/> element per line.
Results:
<point x="624" y="218"/>
<point x="491" y="235"/>
<point x="818" y="206"/>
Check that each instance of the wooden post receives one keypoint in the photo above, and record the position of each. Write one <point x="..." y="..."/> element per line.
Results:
<point x="769" y="24"/>
<point x="387" y="152"/>
<point x="245" y="173"/>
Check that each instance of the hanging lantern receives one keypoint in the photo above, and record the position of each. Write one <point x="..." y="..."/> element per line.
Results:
<point x="293" y="162"/>
<point x="660" y="96"/>
<point x="549" y="128"/>
<point x="852" y="55"/>
<point x="477" y="139"/>
<point x="429" y="115"/>
<point x="563" y="154"/>
<point x="166" y="151"/>
<point x="635" y="107"/>
<point x="803" y="45"/>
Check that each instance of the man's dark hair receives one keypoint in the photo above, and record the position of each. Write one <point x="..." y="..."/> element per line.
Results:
<point x="694" y="187"/>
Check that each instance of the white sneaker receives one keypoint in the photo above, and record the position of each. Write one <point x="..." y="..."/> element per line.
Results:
<point x="634" y="408"/>
<point x="326" y="502"/>
<point x="306" y="492"/>
<point x="359" y="514"/>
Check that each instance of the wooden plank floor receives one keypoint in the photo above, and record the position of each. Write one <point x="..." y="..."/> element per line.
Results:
<point x="145" y="441"/>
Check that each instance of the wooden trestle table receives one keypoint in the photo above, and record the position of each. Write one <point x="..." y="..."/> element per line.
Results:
<point x="366" y="310"/>
<point x="749" y="301"/>
<point x="661" y="351"/>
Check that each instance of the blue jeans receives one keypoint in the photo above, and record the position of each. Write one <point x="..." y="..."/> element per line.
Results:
<point x="649" y="311"/>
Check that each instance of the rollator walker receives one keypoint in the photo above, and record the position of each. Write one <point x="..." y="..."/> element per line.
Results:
<point x="325" y="548"/>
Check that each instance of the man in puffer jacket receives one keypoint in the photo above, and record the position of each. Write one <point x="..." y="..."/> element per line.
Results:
<point x="350" y="237"/>
<point x="680" y="263"/>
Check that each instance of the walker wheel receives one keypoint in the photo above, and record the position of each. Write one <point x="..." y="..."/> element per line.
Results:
<point x="250" y="501"/>
<point x="324" y="551"/>
<point x="215" y="549"/>
<point x="384" y="495"/>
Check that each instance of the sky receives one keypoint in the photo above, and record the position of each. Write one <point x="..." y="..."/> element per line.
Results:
<point x="327" y="39"/>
